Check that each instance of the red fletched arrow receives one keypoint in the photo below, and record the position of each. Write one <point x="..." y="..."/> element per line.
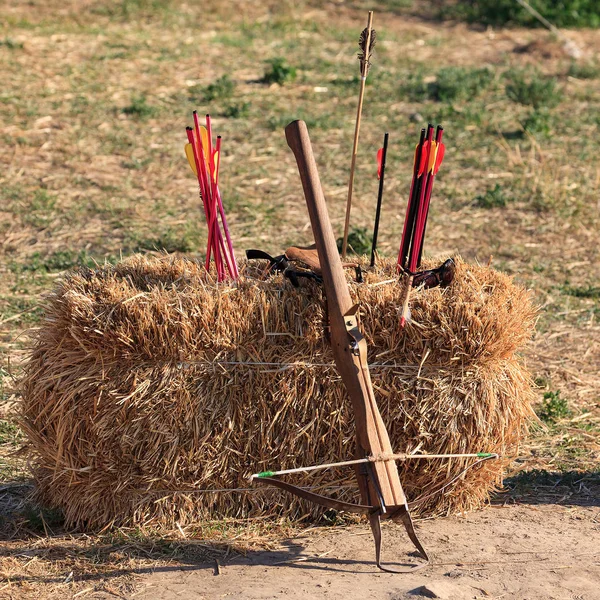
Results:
<point x="381" y="155"/>
<point x="428" y="158"/>
<point x="440" y="157"/>
<point x="379" y="162"/>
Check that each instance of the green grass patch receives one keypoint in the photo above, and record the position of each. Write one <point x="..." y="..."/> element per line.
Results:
<point x="561" y="13"/>
<point x="279" y="72"/>
<point x="450" y="84"/>
<point x="583" y="291"/>
<point x="167" y="240"/>
<point x="136" y="164"/>
<point x="537" y="122"/>
<point x="235" y="40"/>
<point x="587" y="426"/>
<point x="553" y="408"/>
<point x="494" y="198"/>
<point x="117" y="142"/>
<point x="59" y="260"/>
<point x="21" y="311"/>
<point x="237" y="110"/>
<point x="10" y="433"/>
<point x="139" y="108"/>
<point x="531" y="88"/>
<point x="11" y="44"/>
<point x="457" y="83"/>
<point x="322" y="121"/>
<point x="130" y="10"/>
<point x="360" y="241"/>
<point x="36" y="209"/>
<point x="220" y="89"/>
<point x="588" y="70"/>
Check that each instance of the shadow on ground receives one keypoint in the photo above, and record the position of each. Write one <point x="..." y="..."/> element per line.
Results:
<point x="540" y="486"/>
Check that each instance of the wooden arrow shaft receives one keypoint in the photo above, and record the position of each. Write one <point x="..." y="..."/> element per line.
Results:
<point x="361" y="95"/>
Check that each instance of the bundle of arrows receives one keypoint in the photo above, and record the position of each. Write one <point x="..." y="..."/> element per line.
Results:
<point x="429" y="154"/>
<point x="205" y="159"/>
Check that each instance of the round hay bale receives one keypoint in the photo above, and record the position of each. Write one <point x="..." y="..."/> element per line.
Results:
<point x="149" y="381"/>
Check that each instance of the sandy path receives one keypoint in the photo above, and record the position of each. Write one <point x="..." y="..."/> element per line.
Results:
<point x="517" y="552"/>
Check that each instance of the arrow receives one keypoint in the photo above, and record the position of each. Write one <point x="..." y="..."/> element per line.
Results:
<point x="413" y="227"/>
<point x="381" y="156"/>
<point x="366" y="44"/>
<point x="429" y="155"/>
<point x="205" y="162"/>
<point x="371" y="459"/>
<point x="203" y="148"/>
<point x="411" y="207"/>
<point x="434" y="166"/>
<point x="229" y="254"/>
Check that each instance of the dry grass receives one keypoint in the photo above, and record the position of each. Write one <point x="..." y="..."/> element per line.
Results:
<point x="134" y="396"/>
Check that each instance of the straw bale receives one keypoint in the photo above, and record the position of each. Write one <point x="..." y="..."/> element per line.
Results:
<point x="135" y="398"/>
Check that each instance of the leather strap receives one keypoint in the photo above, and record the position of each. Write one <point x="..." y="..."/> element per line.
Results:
<point x="310" y="257"/>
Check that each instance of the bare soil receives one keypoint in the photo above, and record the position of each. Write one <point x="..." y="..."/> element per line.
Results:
<point x="534" y="552"/>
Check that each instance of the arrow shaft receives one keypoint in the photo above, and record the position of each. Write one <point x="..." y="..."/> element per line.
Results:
<point x="363" y="80"/>
<point x="361" y="96"/>
<point x="198" y="158"/>
<point x="411" y="208"/>
<point x="438" y="139"/>
<point x="372" y="459"/>
<point x="420" y="220"/>
<point x="379" y="198"/>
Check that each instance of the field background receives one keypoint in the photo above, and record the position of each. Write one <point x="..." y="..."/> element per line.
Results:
<point x="94" y="101"/>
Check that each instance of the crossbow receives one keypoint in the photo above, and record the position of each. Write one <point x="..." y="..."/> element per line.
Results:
<point x="382" y="496"/>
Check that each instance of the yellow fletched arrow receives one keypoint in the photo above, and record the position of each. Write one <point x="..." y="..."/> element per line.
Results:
<point x="189" y="152"/>
<point x="204" y="139"/>
<point x="432" y="157"/>
<point x="216" y="161"/>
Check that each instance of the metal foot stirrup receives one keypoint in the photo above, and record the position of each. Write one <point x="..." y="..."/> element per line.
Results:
<point x="403" y="515"/>
<point x="373" y="512"/>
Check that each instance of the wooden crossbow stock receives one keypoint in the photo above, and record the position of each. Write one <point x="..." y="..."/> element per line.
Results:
<point x="379" y="483"/>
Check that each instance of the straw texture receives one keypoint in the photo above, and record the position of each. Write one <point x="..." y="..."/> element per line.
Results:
<point x="131" y="400"/>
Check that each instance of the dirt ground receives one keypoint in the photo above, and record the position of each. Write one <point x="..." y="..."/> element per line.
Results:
<point x="517" y="551"/>
<point x="544" y="552"/>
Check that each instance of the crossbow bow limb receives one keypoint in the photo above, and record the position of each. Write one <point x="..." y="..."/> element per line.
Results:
<point x="381" y="492"/>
